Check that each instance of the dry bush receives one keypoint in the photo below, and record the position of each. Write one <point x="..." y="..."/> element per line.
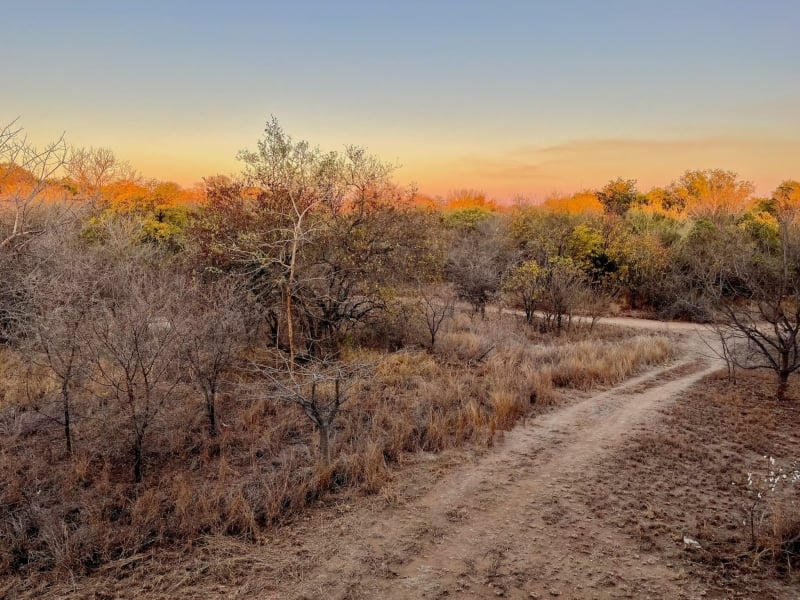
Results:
<point x="463" y="346"/>
<point x="777" y="538"/>
<point x="16" y="379"/>
<point x="63" y="516"/>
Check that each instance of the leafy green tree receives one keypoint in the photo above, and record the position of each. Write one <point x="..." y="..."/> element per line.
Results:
<point x="468" y="218"/>
<point x="165" y="226"/>
<point x="322" y="237"/>
<point x="641" y="262"/>
<point x="619" y="195"/>
<point x="563" y="289"/>
<point x="541" y="233"/>
<point x="524" y="286"/>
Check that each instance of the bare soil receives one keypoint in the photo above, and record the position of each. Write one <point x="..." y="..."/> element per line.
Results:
<point x="563" y="506"/>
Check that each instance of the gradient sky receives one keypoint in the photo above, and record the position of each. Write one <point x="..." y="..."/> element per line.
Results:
<point x="526" y="97"/>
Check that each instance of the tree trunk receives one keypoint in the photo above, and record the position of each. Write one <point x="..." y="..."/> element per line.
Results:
<point x="783" y="375"/>
<point x="324" y="444"/>
<point x="137" y="459"/>
<point x="783" y="383"/>
<point x="289" y="325"/>
<point x="67" y="429"/>
<point x="211" y="411"/>
<point x="529" y="311"/>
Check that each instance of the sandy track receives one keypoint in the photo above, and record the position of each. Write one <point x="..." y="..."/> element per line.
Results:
<point x="515" y="523"/>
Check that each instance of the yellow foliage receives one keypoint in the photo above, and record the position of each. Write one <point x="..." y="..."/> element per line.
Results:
<point x="581" y="202"/>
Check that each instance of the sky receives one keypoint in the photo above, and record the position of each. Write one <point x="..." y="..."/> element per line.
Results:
<point x="514" y="98"/>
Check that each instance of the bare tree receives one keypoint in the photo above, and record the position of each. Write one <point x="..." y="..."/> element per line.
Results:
<point x="25" y="173"/>
<point x="212" y="334"/>
<point x="319" y="387"/>
<point x="62" y="292"/>
<point x="478" y="260"/>
<point x="93" y="168"/>
<point x="757" y="296"/>
<point x="474" y="269"/>
<point x="437" y="302"/>
<point x="134" y="352"/>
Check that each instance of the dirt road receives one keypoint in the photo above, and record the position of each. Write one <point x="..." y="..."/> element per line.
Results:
<point x="514" y="523"/>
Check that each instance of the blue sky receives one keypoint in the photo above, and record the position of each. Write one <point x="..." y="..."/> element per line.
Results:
<point x="509" y="97"/>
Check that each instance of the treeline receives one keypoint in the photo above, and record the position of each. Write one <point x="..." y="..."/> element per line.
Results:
<point x="130" y="310"/>
<point x="325" y="243"/>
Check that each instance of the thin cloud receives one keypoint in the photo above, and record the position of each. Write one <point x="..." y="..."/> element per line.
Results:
<point x="648" y="159"/>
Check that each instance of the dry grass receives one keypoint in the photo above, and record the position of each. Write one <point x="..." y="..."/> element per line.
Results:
<point x="62" y="516"/>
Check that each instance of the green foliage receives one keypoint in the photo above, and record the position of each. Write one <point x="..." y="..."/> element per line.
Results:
<point x="585" y="242"/>
<point x="619" y="195"/>
<point x="165" y="227"/>
<point x="467" y="219"/>
<point x="763" y="228"/>
<point x="641" y="262"/>
<point x="93" y="230"/>
<point x="668" y="228"/>
<point x="524" y="284"/>
<point x="540" y="233"/>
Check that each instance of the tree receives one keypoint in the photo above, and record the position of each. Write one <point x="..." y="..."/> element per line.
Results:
<point x="294" y="179"/>
<point x="212" y="333"/>
<point x="134" y="350"/>
<point x="475" y="273"/>
<point x="437" y="303"/>
<point x="92" y="169"/>
<point x="758" y="298"/>
<point x="640" y="261"/>
<point x="322" y="236"/>
<point x="319" y="387"/>
<point x="62" y="292"/>
<point x="541" y="233"/>
<point x="31" y="204"/>
<point x="477" y="261"/>
<point x="524" y="284"/>
<point x="563" y="288"/>
<point x="714" y="194"/>
<point x="25" y="174"/>
<point x="619" y="195"/>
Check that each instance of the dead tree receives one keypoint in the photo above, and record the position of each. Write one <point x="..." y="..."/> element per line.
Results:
<point x="134" y="352"/>
<point x="25" y="173"/>
<point x="437" y="304"/>
<point x="61" y="294"/>
<point x="320" y="388"/>
<point x="212" y="334"/>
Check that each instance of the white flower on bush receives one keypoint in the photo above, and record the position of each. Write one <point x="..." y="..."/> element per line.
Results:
<point x="775" y="478"/>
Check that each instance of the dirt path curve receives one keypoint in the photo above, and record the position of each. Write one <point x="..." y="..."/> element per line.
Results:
<point x="515" y="523"/>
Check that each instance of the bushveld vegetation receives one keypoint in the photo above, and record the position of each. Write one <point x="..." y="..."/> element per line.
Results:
<point x="175" y="363"/>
